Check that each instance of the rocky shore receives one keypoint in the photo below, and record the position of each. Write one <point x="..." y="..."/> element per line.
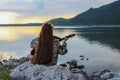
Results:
<point x="22" y="69"/>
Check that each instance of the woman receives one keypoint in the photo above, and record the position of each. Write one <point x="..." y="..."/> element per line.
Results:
<point x="48" y="47"/>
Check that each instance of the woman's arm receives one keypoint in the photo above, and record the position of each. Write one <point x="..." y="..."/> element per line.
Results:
<point x="30" y="57"/>
<point x="62" y="49"/>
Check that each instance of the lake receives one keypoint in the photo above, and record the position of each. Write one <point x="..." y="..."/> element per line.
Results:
<point x="100" y="45"/>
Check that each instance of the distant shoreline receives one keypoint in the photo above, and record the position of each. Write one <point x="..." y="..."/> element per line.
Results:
<point x="39" y="24"/>
<point x="31" y="24"/>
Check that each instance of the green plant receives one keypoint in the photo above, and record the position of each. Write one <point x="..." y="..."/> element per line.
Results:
<point x="5" y="75"/>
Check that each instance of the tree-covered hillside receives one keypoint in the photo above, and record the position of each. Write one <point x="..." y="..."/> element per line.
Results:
<point x="105" y="15"/>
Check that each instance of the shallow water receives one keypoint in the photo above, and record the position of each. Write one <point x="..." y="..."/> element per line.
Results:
<point x="99" y="44"/>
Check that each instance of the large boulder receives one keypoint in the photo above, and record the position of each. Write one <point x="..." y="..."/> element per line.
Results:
<point x="28" y="71"/>
<point x="117" y="77"/>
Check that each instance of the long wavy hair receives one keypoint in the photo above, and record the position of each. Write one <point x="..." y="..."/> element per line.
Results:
<point x="44" y="48"/>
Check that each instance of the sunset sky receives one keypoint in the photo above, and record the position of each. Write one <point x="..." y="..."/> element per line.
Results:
<point x="32" y="11"/>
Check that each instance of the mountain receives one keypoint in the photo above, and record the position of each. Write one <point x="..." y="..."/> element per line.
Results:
<point x="58" y="20"/>
<point x="105" y="15"/>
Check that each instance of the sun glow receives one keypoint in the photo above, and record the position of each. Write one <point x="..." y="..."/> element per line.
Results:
<point x="15" y="18"/>
<point x="7" y="34"/>
<point x="30" y="20"/>
<point x="13" y="33"/>
<point x="8" y="17"/>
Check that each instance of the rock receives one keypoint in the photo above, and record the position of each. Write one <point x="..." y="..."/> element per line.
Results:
<point x="82" y="59"/>
<point x="81" y="56"/>
<point x="66" y="71"/>
<point x="116" y="77"/>
<point x="15" y="62"/>
<point x="4" y="61"/>
<point x="107" y="75"/>
<point x="101" y="75"/>
<point x="28" y="71"/>
<point x="104" y="71"/>
<point x="23" y="59"/>
<point x="11" y="62"/>
<point x="87" y="59"/>
<point x="96" y="75"/>
<point x="80" y="67"/>
<point x="78" y="77"/>
<point x="72" y="64"/>
<point x="63" y="65"/>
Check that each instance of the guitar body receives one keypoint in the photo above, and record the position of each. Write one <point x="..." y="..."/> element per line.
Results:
<point x="34" y="41"/>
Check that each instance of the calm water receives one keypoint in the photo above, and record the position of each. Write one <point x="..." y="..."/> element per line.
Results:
<point x="101" y="45"/>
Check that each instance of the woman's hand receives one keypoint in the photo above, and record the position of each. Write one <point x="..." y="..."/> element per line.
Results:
<point x="30" y="57"/>
<point x="65" y="39"/>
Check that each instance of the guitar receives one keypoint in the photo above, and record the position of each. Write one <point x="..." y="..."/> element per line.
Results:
<point x="34" y="41"/>
<point x="61" y="39"/>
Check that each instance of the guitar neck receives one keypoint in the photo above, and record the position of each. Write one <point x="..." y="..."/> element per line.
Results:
<point x="61" y="39"/>
<point x="69" y="36"/>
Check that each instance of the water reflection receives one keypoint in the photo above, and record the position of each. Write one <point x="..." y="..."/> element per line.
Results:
<point x="100" y="45"/>
<point x="97" y="44"/>
<point x="13" y="33"/>
<point x="105" y="36"/>
<point x="15" y="41"/>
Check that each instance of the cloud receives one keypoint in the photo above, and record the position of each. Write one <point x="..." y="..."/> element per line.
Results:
<point x="39" y="4"/>
<point x="99" y="3"/>
<point x="21" y="6"/>
<point x="50" y="9"/>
